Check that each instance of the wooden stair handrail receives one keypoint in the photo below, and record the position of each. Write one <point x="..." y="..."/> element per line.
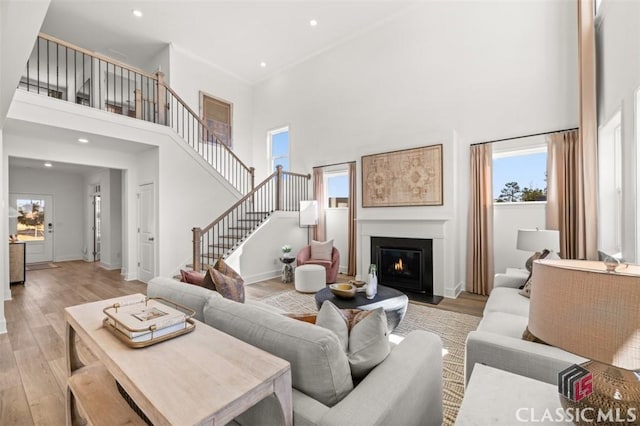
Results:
<point x="238" y="203"/>
<point x="96" y="55"/>
<point x="157" y="79"/>
<point x="201" y="121"/>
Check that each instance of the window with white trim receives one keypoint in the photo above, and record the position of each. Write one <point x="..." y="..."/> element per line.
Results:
<point x="278" y="141"/>
<point x="337" y="189"/>
<point x="610" y="186"/>
<point x="520" y="170"/>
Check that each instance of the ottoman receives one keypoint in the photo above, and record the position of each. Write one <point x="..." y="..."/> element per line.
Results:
<point x="310" y="278"/>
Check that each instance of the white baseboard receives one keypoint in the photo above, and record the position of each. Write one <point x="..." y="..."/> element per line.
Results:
<point x="110" y="267"/>
<point x="455" y="292"/>
<point x="252" y="279"/>
<point x="67" y="258"/>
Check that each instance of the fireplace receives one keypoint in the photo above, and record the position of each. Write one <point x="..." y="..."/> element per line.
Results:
<point x="404" y="263"/>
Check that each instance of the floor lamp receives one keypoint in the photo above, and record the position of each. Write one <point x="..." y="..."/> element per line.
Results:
<point x="308" y="215"/>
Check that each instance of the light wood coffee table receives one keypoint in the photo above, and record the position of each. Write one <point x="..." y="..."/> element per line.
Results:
<point x="204" y="377"/>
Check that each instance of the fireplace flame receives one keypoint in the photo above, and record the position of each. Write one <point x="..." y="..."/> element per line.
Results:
<point x="398" y="266"/>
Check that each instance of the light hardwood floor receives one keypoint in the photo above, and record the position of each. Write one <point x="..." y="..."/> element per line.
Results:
<point x="32" y="358"/>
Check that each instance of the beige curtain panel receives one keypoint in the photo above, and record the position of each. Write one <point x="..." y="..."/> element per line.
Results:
<point x="351" y="265"/>
<point x="319" y="233"/>
<point x="480" y="229"/>
<point x="572" y="159"/>
<point x="570" y="208"/>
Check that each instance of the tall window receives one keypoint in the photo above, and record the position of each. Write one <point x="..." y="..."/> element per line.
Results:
<point x="520" y="174"/>
<point x="337" y="189"/>
<point x="610" y="186"/>
<point x="279" y="148"/>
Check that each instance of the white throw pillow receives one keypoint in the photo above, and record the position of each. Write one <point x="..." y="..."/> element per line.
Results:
<point x="321" y="250"/>
<point x="366" y="343"/>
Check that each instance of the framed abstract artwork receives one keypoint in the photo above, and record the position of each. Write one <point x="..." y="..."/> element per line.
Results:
<point x="217" y="115"/>
<point x="411" y="177"/>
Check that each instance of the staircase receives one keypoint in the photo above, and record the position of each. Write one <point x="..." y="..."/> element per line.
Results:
<point x="67" y="72"/>
<point x="281" y="191"/>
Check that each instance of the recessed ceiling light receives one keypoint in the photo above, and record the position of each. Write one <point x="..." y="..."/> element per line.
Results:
<point x="83" y="140"/>
<point x="313" y="22"/>
<point x="48" y="165"/>
<point x="263" y="64"/>
<point x="137" y="13"/>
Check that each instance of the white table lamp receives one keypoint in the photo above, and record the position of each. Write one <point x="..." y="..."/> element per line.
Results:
<point x="308" y="214"/>
<point x="536" y="240"/>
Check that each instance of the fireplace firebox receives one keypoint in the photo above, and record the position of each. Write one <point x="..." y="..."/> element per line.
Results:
<point x="404" y="263"/>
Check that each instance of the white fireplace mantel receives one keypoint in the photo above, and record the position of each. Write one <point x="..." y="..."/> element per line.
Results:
<point x="435" y="229"/>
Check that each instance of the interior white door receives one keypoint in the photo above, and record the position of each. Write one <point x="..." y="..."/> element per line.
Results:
<point x="31" y="218"/>
<point x="146" y="232"/>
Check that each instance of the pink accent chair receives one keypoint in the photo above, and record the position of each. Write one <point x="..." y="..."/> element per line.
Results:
<point x="304" y="258"/>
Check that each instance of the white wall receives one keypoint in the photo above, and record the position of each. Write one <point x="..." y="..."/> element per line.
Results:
<point x="441" y="72"/>
<point x="258" y="258"/>
<point x="618" y="71"/>
<point x="67" y="190"/>
<point x="507" y="219"/>
<point x="20" y="22"/>
<point x="190" y="75"/>
<point x="337" y="229"/>
<point x="161" y="60"/>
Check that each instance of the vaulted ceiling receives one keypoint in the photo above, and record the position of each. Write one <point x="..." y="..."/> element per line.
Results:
<point x="236" y="36"/>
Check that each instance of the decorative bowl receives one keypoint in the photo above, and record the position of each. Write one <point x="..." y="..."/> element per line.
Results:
<point x="343" y="290"/>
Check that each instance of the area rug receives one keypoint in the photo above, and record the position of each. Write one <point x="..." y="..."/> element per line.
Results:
<point x="40" y="265"/>
<point x="452" y="327"/>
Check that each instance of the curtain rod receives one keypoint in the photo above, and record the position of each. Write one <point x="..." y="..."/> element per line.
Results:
<point x="334" y="164"/>
<point x="526" y="136"/>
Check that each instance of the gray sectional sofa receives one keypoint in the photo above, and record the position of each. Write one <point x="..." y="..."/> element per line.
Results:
<point x="406" y="388"/>
<point x="498" y="340"/>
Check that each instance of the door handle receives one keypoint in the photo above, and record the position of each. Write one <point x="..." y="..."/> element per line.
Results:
<point x="151" y="238"/>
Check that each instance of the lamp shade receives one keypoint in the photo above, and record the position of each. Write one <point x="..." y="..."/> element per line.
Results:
<point x="579" y="307"/>
<point x="308" y="213"/>
<point x="538" y="240"/>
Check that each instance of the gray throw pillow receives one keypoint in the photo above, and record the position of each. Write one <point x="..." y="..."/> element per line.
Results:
<point x="363" y="335"/>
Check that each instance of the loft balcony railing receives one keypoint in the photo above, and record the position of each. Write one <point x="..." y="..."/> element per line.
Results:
<point x="281" y="191"/>
<point x="60" y="70"/>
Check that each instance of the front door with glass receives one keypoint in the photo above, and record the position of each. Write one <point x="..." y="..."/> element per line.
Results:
<point x="32" y="222"/>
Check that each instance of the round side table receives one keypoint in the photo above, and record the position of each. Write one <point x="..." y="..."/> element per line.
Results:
<point x="287" y="269"/>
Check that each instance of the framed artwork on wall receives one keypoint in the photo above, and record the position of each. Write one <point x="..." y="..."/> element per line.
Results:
<point x="410" y="177"/>
<point x="218" y="117"/>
